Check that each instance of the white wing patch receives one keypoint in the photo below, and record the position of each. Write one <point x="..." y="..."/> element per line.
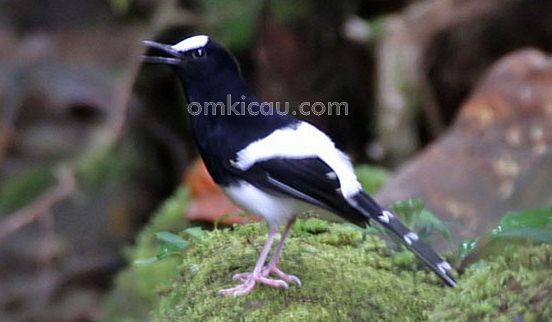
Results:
<point x="191" y="43"/>
<point x="304" y="141"/>
<point x="331" y="175"/>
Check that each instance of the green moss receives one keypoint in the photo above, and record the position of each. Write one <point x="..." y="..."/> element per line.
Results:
<point x="517" y="283"/>
<point x="345" y="277"/>
<point x="138" y="287"/>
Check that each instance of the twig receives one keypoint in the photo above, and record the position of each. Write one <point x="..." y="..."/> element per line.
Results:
<point x="6" y="135"/>
<point x="8" y="115"/>
<point x="66" y="187"/>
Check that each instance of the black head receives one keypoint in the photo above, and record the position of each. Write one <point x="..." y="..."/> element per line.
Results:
<point x="195" y="59"/>
<point x="210" y="74"/>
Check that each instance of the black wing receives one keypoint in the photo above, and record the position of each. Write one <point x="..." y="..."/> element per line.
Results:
<point x="310" y="180"/>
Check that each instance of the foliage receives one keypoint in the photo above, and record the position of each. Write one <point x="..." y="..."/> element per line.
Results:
<point x="21" y="189"/>
<point x="120" y="7"/>
<point x="371" y="178"/>
<point x="286" y="11"/>
<point x="420" y="220"/>
<point x="232" y="21"/>
<point x="171" y="245"/>
<point x="104" y="164"/>
<point x="531" y="224"/>
<point x="522" y="228"/>
<point x="137" y="287"/>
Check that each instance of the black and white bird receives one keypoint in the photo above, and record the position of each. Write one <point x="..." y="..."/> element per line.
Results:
<point x="276" y="166"/>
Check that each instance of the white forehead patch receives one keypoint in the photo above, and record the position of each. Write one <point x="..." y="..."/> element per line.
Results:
<point x="191" y="43"/>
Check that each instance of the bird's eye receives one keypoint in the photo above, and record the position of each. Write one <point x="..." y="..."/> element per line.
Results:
<point x="198" y="53"/>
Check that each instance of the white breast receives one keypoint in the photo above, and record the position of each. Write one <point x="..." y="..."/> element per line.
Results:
<point x="274" y="210"/>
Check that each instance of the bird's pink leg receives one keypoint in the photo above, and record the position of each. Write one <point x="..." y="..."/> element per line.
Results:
<point x="273" y="265"/>
<point x="250" y="279"/>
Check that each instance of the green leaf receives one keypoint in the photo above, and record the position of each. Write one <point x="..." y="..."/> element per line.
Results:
<point x="467" y="246"/>
<point x="172" y="241"/>
<point x="420" y="220"/>
<point x="536" y="219"/>
<point x="408" y="206"/>
<point x="515" y="229"/>
<point x="409" y="210"/>
<point x="146" y="261"/>
<point x="172" y="245"/>
<point x="195" y="232"/>
<point x="429" y="224"/>
<point x="166" y="250"/>
<point x="533" y="234"/>
<point x="533" y="225"/>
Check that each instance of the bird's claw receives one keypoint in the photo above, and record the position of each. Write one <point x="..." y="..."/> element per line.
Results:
<point x="242" y="277"/>
<point x="249" y="281"/>
<point x="267" y="270"/>
<point x="286" y="277"/>
<point x="294" y="279"/>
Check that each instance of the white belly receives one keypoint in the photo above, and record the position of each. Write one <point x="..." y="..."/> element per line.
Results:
<point x="275" y="210"/>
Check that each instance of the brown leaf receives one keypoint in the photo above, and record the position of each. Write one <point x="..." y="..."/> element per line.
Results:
<point x="208" y="201"/>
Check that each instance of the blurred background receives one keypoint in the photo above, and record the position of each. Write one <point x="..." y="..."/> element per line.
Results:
<point x="450" y="101"/>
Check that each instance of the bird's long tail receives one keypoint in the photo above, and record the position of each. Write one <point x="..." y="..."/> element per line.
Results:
<point x="371" y="209"/>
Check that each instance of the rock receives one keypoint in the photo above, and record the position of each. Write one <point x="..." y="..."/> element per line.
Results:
<point x="346" y="277"/>
<point x="497" y="157"/>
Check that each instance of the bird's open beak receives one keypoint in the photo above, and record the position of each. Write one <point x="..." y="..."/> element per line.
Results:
<point x="167" y="49"/>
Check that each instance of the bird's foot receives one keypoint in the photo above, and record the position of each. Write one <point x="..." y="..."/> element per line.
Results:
<point x="267" y="271"/>
<point x="273" y="269"/>
<point x="249" y="281"/>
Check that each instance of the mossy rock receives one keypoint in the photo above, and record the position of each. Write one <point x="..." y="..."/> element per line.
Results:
<point x="135" y="292"/>
<point x="516" y="286"/>
<point x="346" y="275"/>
